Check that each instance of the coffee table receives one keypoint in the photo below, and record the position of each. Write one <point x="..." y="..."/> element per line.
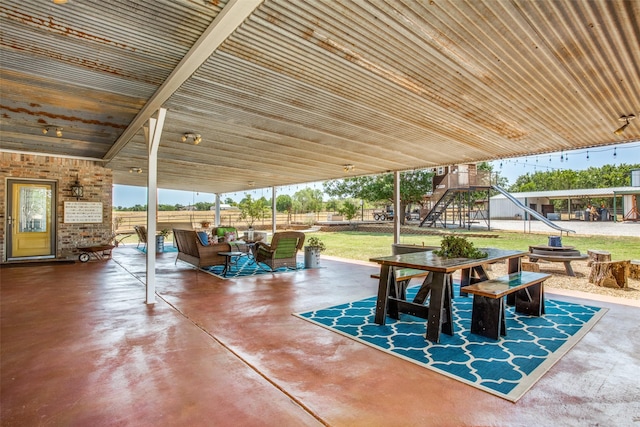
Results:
<point x="228" y="260"/>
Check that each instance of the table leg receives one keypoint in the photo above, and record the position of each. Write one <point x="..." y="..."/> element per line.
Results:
<point x="470" y="276"/>
<point x="440" y="307"/>
<point x="424" y="290"/>
<point x="569" y="269"/>
<point x="227" y="265"/>
<point x="383" y="295"/>
<point x="513" y="266"/>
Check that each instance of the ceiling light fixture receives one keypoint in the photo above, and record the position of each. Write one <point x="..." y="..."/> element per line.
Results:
<point x="60" y="1"/>
<point x="48" y="128"/>
<point x="136" y="170"/>
<point x="195" y="137"/>
<point x="625" y="119"/>
<point x="348" y="168"/>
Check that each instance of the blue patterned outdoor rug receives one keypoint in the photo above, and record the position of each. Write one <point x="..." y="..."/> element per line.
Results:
<point x="167" y="248"/>
<point x="244" y="266"/>
<point x="507" y="367"/>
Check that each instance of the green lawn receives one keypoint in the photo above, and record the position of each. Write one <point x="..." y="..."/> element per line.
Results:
<point x="362" y="246"/>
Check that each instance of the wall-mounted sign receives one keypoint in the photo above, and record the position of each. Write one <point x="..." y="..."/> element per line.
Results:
<point x="82" y="212"/>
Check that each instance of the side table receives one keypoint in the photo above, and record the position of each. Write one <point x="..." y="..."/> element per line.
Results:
<point x="228" y="260"/>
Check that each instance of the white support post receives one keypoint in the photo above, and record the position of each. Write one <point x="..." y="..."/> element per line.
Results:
<point x="273" y="209"/>
<point x="396" y="207"/>
<point x="217" y="219"/>
<point x="152" y="134"/>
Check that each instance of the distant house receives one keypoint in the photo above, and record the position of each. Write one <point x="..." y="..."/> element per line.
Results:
<point x="626" y="201"/>
<point x="223" y="207"/>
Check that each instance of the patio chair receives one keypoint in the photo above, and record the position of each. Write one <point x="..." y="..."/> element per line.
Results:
<point x="282" y="251"/>
<point x="141" y="231"/>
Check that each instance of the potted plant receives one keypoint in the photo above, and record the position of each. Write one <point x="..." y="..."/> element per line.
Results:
<point x="458" y="247"/>
<point x="312" y="251"/>
<point x="162" y="234"/>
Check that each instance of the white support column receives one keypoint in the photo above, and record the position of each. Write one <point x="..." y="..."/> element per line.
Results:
<point x="152" y="135"/>
<point x="217" y="220"/>
<point x="396" y="207"/>
<point x="273" y="209"/>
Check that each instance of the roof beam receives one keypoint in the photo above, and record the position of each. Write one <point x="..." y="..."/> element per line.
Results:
<point x="227" y="21"/>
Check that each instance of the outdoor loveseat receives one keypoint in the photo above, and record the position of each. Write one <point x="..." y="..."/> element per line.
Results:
<point x="192" y="251"/>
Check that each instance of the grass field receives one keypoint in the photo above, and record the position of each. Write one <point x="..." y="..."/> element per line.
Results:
<point x="362" y="246"/>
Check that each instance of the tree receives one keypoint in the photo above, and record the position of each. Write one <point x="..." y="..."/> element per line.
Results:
<point x="203" y="206"/>
<point x="379" y="188"/>
<point x="308" y="200"/>
<point x="251" y="210"/>
<point x="603" y="177"/>
<point x="349" y="209"/>
<point x="229" y="201"/>
<point x="285" y="204"/>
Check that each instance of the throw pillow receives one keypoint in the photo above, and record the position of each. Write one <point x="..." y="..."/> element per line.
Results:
<point x="229" y="237"/>
<point x="221" y="231"/>
<point x="203" y="237"/>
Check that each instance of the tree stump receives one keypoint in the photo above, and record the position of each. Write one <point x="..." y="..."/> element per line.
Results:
<point x="530" y="266"/>
<point x="634" y="269"/>
<point x="611" y="274"/>
<point x="597" y="256"/>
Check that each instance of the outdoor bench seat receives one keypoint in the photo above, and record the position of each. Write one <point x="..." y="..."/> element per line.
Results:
<point x="488" y="315"/>
<point x="566" y="259"/>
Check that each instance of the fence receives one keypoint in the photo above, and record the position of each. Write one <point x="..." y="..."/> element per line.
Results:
<point x="230" y="218"/>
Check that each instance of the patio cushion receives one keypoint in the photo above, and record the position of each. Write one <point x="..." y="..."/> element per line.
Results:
<point x="203" y="237"/>
<point x="220" y="231"/>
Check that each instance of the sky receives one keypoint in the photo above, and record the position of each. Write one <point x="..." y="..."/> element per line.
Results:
<point x="127" y="196"/>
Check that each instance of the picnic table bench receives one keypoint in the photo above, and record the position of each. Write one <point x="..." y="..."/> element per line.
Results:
<point x="488" y="314"/>
<point x="563" y="254"/>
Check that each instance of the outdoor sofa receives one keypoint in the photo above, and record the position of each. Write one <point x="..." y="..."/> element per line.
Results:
<point x="192" y="251"/>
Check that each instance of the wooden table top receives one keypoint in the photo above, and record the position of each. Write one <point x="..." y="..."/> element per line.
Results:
<point x="431" y="262"/>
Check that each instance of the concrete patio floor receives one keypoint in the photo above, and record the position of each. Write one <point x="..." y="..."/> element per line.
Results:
<point x="79" y="347"/>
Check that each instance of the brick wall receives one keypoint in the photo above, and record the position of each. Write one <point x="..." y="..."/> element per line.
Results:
<point x="96" y="180"/>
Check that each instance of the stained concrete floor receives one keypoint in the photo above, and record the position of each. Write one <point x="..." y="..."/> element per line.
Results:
<point x="80" y="347"/>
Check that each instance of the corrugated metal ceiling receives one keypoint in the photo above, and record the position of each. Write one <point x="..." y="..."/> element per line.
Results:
<point x="302" y="88"/>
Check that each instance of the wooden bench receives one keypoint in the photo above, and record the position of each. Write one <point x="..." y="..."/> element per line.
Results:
<point x="488" y="315"/>
<point x="566" y="259"/>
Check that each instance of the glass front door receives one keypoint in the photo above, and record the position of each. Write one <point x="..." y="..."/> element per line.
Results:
<point x="30" y="224"/>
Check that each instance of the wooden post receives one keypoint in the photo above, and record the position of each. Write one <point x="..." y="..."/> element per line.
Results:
<point x="597" y="256"/>
<point x="612" y="274"/>
<point x="530" y="266"/>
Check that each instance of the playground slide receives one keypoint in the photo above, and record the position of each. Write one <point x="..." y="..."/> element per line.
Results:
<point x="530" y="211"/>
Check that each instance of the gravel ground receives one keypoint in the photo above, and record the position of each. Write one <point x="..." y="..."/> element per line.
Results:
<point x="560" y="280"/>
